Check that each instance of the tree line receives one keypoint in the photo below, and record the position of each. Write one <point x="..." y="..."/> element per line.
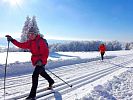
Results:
<point x="78" y="46"/>
<point x="81" y="46"/>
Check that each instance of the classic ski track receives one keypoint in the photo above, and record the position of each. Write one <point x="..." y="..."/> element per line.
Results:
<point x="82" y="82"/>
<point x="26" y="77"/>
<point x="60" y="68"/>
<point x="74" y="82"/>
<point x="10" y="82"/>
<point x="43" y="81"/>
<point x="78" y="81"/>
<point x="65" y="89"/>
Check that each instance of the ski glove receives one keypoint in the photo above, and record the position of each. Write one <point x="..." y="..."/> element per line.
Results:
<point x="39" y="63"/>
<point x="9" y="38"/>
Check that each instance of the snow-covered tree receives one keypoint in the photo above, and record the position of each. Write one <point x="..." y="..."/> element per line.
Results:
<point x="109" y="46"/>
<point x="27" y="25"/>
<point x="117" y="45"/>
<point x="25" y="29"/>
<point x="34" y="25"/>
<point x="129" y="46"/>
<point x="87" y="46"/>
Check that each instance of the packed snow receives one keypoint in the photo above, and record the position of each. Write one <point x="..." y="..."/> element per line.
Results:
<point x="91" y="78"/>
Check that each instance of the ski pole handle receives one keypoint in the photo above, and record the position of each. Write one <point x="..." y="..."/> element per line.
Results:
<point x="7" y="36"/>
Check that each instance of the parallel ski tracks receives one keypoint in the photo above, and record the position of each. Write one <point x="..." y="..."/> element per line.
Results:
<point x="77" y="81"/>
<point x="84" y="80"/>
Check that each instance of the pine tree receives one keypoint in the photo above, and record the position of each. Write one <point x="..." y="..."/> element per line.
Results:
<point x="27" y="25"/>
<point x="25" y="29"/>
<point x="34" y="25"/>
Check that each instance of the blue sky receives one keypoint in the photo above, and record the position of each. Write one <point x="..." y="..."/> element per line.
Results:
<point x="71" y="19"/>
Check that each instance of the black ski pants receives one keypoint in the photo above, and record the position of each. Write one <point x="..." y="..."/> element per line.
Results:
<point x="102" y="54"/>
<point x="38" y="70"/>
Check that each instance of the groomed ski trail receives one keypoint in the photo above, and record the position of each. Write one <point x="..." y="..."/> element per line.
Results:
<point x="77" y="75"/>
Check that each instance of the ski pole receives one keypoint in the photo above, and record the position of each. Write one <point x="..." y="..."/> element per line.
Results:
<point x="100" y="55"/>
<point x="60" y="78"/>
<point x="105" y="54"/>
<point x="5" y="70"/>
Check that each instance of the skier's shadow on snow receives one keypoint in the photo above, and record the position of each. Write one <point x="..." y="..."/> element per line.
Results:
<point x="57" y="95"/>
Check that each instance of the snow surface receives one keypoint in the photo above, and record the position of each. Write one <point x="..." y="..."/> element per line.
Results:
<point x="92" y="79"/>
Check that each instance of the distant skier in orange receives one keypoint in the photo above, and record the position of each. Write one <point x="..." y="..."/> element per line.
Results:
<point x="102" y="49"/>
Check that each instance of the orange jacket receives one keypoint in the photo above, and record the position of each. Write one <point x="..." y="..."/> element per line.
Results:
<point x="102" y="48"/>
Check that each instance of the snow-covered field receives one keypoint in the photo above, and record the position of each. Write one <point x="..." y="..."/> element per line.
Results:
<point x="92" y="79"/>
